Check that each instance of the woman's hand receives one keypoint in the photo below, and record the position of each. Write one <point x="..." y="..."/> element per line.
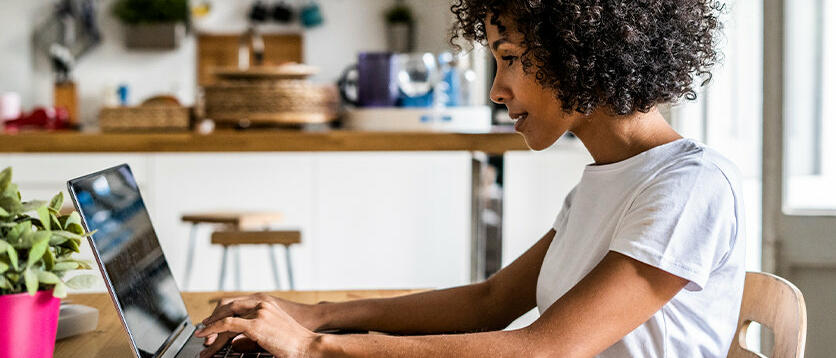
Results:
<point x="304" y="314"/>
<point x="263" y="322"/>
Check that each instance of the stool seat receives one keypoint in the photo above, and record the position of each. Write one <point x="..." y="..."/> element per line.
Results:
<point x="280" y="237"/>
<point x="237" y="226"/>
<point x="236" y="219"/>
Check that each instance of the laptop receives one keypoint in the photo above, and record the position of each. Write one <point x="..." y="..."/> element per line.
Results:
<point x="134" y="267"/>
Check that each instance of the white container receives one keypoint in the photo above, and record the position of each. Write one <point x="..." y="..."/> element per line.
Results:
<point x="9" y="106"/>
<point x="391" y="119"/>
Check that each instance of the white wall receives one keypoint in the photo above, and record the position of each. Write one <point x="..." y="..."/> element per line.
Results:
<point x="350" y="26"/>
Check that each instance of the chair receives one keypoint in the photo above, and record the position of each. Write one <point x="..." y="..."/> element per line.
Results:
<point x="775" y="303"/>
<point x="236" y="238"/>
<point x="230" y="221"/>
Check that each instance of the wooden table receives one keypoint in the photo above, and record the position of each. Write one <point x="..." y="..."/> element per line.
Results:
<point x="487" y="149"/>
<point x="110" y="339"/>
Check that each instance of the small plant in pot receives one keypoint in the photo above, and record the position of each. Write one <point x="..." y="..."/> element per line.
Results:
<point x="153" y="24"/>
<point x="36" y="251"/>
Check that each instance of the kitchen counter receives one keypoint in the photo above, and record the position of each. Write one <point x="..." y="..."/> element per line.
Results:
<point x="258" y="141"/>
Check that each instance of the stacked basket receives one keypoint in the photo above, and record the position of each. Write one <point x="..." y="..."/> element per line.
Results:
<point x="270" y="95"/>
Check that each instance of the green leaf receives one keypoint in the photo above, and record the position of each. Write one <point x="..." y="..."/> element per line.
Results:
<point x="73" y="224"/>
<point x="4" y="245"/>
<point x="25" y="241"/>
<point x="43" y="214"/>
<point x="65" y="266"/>
<point x="47" y="277"/>
<point x="57" y="201"/>
<point x="54" y="223"/>
<point x="32" y="205"/>
<point x="4" y="283"/>
<point x="18" y="230"/>
<point x="68" y="235"/>
<point x="56" y="240"/>
<point x="83" y="264"/>
<point x="49" y="260"/>
<point x="13" y="277"/>
<point x="5" y="178"/>
<point x="12" y="205"/>
<point x="74" y="245"/>
<point x="3" y="212"/>
<point x="39" y="246"/>
<point x="60" y="290"/>
<point x="12" y="256"/>
<point x="81" y="281"/>
<point x="31" y="281"/>
<point x="3" y="267"/>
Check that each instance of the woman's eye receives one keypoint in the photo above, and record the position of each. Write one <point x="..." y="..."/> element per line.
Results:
<point x="510" y="59"/>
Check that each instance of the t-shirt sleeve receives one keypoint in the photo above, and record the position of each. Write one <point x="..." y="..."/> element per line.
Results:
<point x="563" y="215"/>
<point x="683" y="222"/>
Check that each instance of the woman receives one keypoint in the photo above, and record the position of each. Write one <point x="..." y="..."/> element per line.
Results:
<point x="645" y="259"/>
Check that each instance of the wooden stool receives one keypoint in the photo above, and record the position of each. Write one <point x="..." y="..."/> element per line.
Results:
<point x="270" y="238"/>
<point x="233" y="221"/>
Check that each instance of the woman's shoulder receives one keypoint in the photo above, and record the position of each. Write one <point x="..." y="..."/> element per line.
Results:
<point x="697" y="161"/>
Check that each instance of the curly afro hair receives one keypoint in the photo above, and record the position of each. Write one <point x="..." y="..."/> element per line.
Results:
<point x="624" y="55"/>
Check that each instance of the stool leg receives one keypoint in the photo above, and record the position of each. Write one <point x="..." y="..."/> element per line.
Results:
<point x="237" y="252"/>
<point x="223" y="270"/>
<point x="275" y="266"/>
<point x="189" y="257"/>
<point x="289" y="266"/>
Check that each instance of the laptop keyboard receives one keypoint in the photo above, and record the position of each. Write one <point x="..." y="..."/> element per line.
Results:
<point x="227" y="352"/>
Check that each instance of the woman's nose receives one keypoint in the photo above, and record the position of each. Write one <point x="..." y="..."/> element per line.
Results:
<point x="499" y="93"/>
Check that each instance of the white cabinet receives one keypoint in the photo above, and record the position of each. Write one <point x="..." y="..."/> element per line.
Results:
<point x="392" y="220"/>
<point x="368" y="220"/>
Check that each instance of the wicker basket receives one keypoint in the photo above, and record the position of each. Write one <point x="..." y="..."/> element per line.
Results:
<point x="146" y="118"/>
<point x="270" y="101"/>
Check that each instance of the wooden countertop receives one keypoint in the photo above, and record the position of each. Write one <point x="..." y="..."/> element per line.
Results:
<point x="110" y="339"/>
<point x="258" y="141"/>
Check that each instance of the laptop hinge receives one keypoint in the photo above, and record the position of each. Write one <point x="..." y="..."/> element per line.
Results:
<point x="173" y="346"/>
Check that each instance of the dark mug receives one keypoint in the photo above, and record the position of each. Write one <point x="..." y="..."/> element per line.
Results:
<point x="373" y="80"/>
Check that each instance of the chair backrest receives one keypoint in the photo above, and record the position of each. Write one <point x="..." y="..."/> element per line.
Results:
<point x="775" y="303"/>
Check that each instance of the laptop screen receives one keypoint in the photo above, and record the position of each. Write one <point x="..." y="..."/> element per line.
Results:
<point x="147" y="295"/>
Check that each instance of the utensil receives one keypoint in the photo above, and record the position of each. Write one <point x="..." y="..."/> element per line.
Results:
<point x="370" y="82"/>
<point x="311" y="15"/>
<point x="282" y="12"/>
<point x="418" y="73"/>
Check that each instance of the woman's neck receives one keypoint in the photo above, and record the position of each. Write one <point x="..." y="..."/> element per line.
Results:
<point x="611" y="139"/>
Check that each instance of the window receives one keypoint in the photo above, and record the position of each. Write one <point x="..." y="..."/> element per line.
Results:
<point x="810" y="131"/>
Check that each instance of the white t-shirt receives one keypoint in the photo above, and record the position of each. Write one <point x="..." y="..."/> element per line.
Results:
<point x="677" y="207"/>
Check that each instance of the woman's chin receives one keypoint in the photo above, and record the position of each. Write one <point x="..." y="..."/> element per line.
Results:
<point x="537" y="143"/>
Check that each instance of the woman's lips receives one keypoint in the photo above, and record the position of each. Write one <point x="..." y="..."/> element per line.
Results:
<point x="520" y="120"/>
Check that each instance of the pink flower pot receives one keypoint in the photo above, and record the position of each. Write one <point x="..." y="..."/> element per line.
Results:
<point x="28" y="324"/>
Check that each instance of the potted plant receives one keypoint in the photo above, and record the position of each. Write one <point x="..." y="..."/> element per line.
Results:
<point x="399" y="28"/>
<point x="153" y="24"/>
<point x="36" y="251"/>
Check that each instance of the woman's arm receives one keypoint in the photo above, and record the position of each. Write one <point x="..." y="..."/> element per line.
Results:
<point x="485" y="306"/>
<point x="617" y="296"/>
<point x="490" y="305"/>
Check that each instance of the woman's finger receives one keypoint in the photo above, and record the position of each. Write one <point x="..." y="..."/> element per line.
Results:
<point x="217" y="344"/>
<point x="232" y="308"/>
<point x="228" y="324"/>
<point x="242" y="343"/>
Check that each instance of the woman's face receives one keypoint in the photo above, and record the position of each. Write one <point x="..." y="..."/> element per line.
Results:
<point x="537" y="112"/>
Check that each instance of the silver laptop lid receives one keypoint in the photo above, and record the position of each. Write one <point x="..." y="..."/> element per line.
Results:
<point x="132" y="261"/>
